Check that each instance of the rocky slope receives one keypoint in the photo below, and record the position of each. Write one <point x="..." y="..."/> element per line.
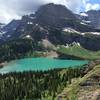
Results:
<point x="91" y="18"/>
<point x="47" y="17"/>
<point x="58" y="28"/>
<point x="85" y="88"/>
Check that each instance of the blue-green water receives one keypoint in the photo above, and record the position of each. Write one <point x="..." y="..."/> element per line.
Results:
<point x="38" y="64"/>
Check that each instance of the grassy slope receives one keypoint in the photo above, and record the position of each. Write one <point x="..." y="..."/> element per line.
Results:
<point x="75" y="90"/>
<point x="80" y="52"/>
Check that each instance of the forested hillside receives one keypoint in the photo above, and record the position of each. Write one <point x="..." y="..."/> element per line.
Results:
<point x="36" y="85"/>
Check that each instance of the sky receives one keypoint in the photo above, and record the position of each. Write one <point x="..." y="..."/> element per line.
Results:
<point x="14" y="9"/>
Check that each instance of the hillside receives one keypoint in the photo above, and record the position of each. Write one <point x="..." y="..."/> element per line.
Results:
<point x="34" y="85"/>
<point x="85" y="88"/>
<point x="78" y="51"/>
<point x="22" y="48"/>
<point x="49" y="31"/>
<point x="91" y="18"/>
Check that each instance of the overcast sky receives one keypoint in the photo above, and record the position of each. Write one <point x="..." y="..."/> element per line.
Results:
<point x="14" y="9"/>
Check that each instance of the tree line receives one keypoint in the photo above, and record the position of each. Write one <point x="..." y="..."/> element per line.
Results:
<point x="18" y="49"/>
<point x="36" y="85"/>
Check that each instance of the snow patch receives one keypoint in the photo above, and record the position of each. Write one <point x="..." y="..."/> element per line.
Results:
<point x="8" y="36"/>
<point x="67" y="45"/>
<point x="70" y="30"/>
<point x="32" y="17"/>
<point x="36" y="24"/>
<point x="76" y="43"/>
<point x="30" y="23"/>
<point x="94" y="33"/>
<point x="86" y="21"/>
<point x="72" y="44"/>
<point x="83" y="33"/>
<point x="28" y="36"/>
<point x="84" y="14"/>
<point x="83" y="23"/>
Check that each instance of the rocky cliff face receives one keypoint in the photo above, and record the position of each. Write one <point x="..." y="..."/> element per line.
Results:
<point x="90" y="86"/>
<point x="85" y="88"/>
<point x="48" y="16"/>
<point x="92" y="18"/>
<point x="48" y="23"/>
<point x="54" y="15"/>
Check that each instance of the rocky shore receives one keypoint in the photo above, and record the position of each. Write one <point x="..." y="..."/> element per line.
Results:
<point x="3" y="64"/>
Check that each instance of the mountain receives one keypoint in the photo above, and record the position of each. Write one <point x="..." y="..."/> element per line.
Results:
<point x="54" y="23"/>
<point x="11" y="26"/>
<point x="59" y="16"/>
<point x="1" y="25"/>
<point x="8" y="29"/>
<point x="55" y="32"/>
<point x="92" y="18"/>
<point x="54" y="15"/>
<point x="48" y="16"/>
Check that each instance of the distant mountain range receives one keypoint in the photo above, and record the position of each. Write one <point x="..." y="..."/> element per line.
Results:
<point x="92" y="18"/>
<point x="58" y="25"/>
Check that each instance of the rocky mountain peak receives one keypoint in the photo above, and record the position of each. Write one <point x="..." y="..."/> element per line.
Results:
<point x="93" y="17"/>
<point x="54" y="15"/>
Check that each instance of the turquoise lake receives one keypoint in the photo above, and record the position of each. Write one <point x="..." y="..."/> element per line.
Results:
<point x="39" y="64"/>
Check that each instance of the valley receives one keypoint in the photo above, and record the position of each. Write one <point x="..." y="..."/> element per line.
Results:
<point x="51" y="54"/>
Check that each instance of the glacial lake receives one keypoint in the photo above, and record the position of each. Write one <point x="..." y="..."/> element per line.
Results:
<point x="39" y="64"/>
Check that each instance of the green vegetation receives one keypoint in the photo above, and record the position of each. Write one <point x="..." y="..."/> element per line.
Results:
<point x="78" y="51"/>
<point x="36" y="85"/>
<point x="23" y="48"/>
<point x="80" y="86"/>
<point x="43" y="85"/>
<point x="20" y="49"/>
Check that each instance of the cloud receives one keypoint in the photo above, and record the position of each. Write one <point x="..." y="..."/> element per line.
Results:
<point x="90" y="6"/>
<point x="14" y="9"/>
<point x="73" y="5"/>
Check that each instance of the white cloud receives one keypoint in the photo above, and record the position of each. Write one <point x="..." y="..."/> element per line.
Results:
<point x="7" y="15"/>
<point x="73" y="5"/>
<point x="11" y="9"/>
<point x="14" y="9"/>
<point x="90" y="6"/>
<point x="85" y="2"/>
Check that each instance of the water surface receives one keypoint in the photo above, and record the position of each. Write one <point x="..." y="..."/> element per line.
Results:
<point x="39" y="64"/>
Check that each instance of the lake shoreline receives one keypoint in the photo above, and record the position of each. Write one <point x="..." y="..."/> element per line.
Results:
<point x="3" y="64"/>
<point x="39" y="64"/>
